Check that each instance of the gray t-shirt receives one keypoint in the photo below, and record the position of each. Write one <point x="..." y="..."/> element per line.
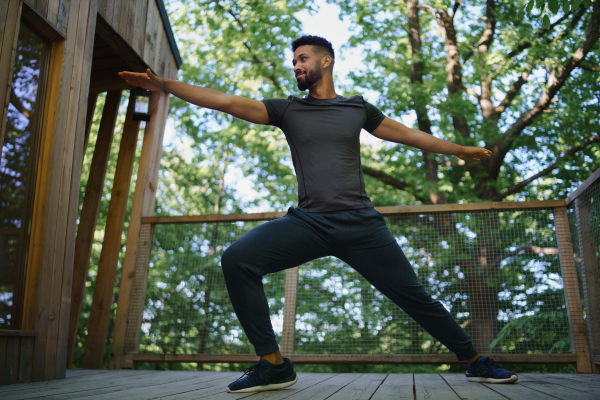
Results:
<point x="323" y="135"/>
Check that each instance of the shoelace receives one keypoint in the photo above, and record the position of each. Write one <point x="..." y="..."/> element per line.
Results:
<point x="487" y="367"/>
<point x="261" y="370"/>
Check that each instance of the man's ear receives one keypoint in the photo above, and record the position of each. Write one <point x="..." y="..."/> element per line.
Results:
<point x="326" y="61"/>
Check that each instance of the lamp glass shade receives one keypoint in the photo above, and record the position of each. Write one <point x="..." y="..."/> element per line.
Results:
<point x="141" y="106"/>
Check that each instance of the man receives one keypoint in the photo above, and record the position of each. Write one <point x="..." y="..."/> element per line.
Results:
<point x="334" y="216"/>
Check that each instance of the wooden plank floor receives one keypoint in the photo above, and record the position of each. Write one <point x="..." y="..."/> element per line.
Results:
<point x="181" y="385"/>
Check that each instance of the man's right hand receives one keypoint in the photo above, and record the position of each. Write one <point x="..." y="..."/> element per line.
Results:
<point x="240" y="107"/>
<point x="148" y="81"/>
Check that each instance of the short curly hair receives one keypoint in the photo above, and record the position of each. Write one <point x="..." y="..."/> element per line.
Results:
<point x="324" y="44"/>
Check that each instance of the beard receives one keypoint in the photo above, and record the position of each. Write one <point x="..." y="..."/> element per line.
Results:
<point x="309" y="78"/>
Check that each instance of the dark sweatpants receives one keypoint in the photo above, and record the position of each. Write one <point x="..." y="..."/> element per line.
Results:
<point x="358" y="237"/>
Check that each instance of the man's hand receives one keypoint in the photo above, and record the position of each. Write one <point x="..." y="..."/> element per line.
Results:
<point x="473" y="153"/>
<point x="148" y="81"/>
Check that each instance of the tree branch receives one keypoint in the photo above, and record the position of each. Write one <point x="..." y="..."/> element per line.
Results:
<point x="397" y="183"/>
<point x="518" y="187"/>
<point x="556" y="82"/>
<point x="515" y="88"/>
<point x="255" y="58"/>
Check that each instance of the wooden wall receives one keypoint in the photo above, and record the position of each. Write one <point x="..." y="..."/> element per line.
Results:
<point x="140" y="24"/>
<point x="136" y="32"/>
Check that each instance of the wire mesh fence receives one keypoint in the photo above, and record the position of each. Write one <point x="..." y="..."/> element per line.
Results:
<point x="584" y="221"/>
<point x="497" y="271"/>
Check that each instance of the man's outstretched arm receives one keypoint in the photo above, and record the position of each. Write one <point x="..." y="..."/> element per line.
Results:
<point x="394" y="131"/>
<point x="238" y="106"/>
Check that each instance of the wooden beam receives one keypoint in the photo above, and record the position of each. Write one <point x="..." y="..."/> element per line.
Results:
<point x="82" y="26"/>
<point x="358" y="358"/>
<point x="383" y="210"/>
<point x="108" y="85"/>
<point x="288" y="335"/>
<point x="579" y="342"/>
<point x="109" y="257"/>
<point x="89" y="213"/>
<point x="110" y="35"/>
<point x="153" y="136"/>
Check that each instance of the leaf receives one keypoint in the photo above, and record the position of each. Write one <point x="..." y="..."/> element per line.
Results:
<point x="553" y="6"/>
<point x="576" y="5"/>
<point x="530" y="6"/>
<point x="566" y="6"/>
<point x="546" y="21"/>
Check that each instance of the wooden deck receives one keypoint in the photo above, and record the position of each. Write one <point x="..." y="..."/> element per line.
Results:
<point x="172" y="385"/>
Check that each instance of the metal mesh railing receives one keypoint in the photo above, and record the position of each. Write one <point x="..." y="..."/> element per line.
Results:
<point x="497" y="269"/>
<point x="583" y="208"/>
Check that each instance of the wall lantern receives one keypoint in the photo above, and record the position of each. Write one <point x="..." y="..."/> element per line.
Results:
<point x="141" y="105"/>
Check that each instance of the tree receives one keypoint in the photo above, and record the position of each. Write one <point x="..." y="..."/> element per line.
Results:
<point x="512" y="86"/>
<point x="526" y="92"/>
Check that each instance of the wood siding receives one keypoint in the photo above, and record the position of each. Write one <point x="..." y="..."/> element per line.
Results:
<point x="138" y="35"/>
<point x="139" y="23"/>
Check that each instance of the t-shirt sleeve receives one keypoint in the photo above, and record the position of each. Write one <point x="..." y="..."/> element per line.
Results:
<point x="276" y="108"/>
<point x="374" y="117"/>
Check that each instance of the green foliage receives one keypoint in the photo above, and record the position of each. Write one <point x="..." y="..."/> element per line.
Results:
<point x="241" y="48"/>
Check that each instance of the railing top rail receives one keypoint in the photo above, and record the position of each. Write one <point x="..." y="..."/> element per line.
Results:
<point x="588" y="182"/>
<point x="433" y="208"/>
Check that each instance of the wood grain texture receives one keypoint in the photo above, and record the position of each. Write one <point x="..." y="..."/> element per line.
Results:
<point x="153" y="137"/>
<point x="572" y="297"/>
<point x="80" y="126"/>
<point x="433" y="387"/>
<point x="153" y="183"/>
<point x="395" y="387"/>
<point x="109" y="256"/>
<point x="11" y="370"/>
<point x="383" y="210"/>
<point x="60" y="298"/>
<point x="89" y="212"/>
<point x="53" y="249"/>
<point x="470" y="390"/>
<point x="151" y="31"/>
<point x="3" y="344"/>
<point x="26" y="359"/>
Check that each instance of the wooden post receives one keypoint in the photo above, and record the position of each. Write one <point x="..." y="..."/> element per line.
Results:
<point x="288" y="335"/>
<point x="138" y="296"/>
<point x="107" y="269"/>
<point x="144" y="192"/>
<point x="572" y="297"/>
<point x="590" y="279"/>
<point x="89" y="213"/>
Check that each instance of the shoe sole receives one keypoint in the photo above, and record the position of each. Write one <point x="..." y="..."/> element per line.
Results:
<point x="512" y="379"/>
<point x="272" y="386"/>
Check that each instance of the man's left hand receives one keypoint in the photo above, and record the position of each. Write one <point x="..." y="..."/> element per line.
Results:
<point x="473" y="153"/>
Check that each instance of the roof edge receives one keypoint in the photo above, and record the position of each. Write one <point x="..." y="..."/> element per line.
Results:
<point x="165" y="19"/>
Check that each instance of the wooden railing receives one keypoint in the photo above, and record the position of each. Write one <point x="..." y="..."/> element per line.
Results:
<point x="579" y="355"/>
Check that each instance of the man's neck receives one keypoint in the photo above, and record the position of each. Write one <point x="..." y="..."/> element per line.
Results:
<point x="324" y="89"/>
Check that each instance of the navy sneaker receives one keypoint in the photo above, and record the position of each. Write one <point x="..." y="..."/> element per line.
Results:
<point x="486" y="370"/>
<point x="263" y="376"/>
